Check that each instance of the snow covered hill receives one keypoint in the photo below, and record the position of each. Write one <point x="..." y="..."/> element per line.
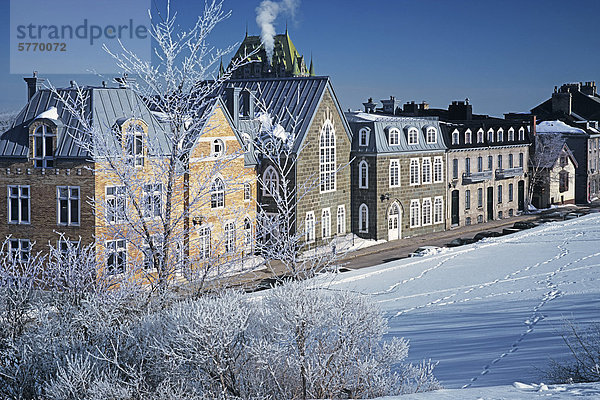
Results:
<point x="491" y="312"/>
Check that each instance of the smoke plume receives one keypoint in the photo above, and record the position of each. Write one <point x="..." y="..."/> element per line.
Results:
<point x="266" y="14"/>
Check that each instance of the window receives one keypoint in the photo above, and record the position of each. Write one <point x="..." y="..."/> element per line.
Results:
<point x="68" y="201"/>
<point x="468" y="136"/>
<point x="414" y="171"/>
<point x="521" y="133"/>
<point x="511" y="134"/>
<point x="500" y="162"/>
<point x="427" y="170"/>
<point x="467" y="199"/>
<point x="116" y="204"/>
<point x="510" y="161"/>
<point x="499" y="194"/>
<point x="510" y="192"/>
<point x="19" y="249"/>
<point x="563" y="160"/>
<point x="479" y="219"/>
<point x="363" y="218"/>
<point x="511" y="212"/>
<point x="468" y="221"/>
<point x="116" y="256"/>
<point x="270" y="181"/>
<point x="521" y="160"/>
<point x="393" y="137"/>
<point x="490" y="136"/>
<point x="563" y="181"/>
<point x="327" y="158"/>
<point x="363" y="137"/>
<point x="413" y="136"/>
<point x="217" y="148"/>
<point x="480" y="136"/>
<point x="247" y="192"/>
<point x="134" y="145"/>
<point x="341" y="220"/>
<point x="326" y="223"/>
<point x="437" y="170"/>
<point x="394" y="173"/>
<point x="455" y="168"/>
<point x="479" y="198"/>
<point x="431" y="135"/>
<point x="468" y="166"/>
<point x="426" y="212"/>
<point x="438" y="210"/>
<point x="479" y="164"/>
<point x="217" y="193"/>
<point x="152" y="200"/>
<point x="500" y="214"/>
<point x="363" y="175"/>
<point x="309" y="226"/>
<point x="490" y="163"/>
<point x="43" y="147"/>
<point x="455" y="136"/>
<point x="248" y="237"/>
<point x="68" y="249"/>
<point x="229" y="237"/>
<point x="204" y="243"/>
<point x="500" y="135"/>
<point x="415" y="213"/>
<point x="18" y="204"/>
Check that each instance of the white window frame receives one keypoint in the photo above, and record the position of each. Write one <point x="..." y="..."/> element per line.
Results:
<point x="500" y="135"/>
<point x="341" y="219"/>
<point x="363" y="218"/>
<point x="414" y="172"/>
<point x="327" y="158"/>
<point x="115" y="248"/>
<point x="270" y="182"/>
<point x="204" y="241"/>
<point x="415" y="213"/>
<point x="511" y="134"/>
<point x="413" y="136"/>
<point x="438" y="169"/>
<point x="363" y="134"/>
<point x="521" y="133"/>
<point x="309" y="226"/>
<point x="326" y="223"/>
<point x="427" y="211"/>
<point x="363" y="167"/>
<point x="22" y="195"/>
<point x="438" y="210"/>
<point x="116" y="204"/>
<point x="455" y="137"/>
<point x="217" y="193"/>
<point x="394" y="173"/>
<point x="217" y="148"/>
<point x="426" y="171"/>
<point x="248" y="234"/>
<point x="480" y="135"/>
<point x="468" y="136"/>
<point x="152" y="200"/>
<point x="247" y="191"/>
<point x="431" y="135"/>
<point x="44" y="134"/>
<point x="19" y="249"/>
<point x="394" y="137"/>
<point x="490" y="135"/>
<point x="72" y="199"/>
<point x="230" y="236"/>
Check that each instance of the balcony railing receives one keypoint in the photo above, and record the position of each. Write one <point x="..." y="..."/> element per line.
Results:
<point x="475" y="177"/>
<point x="509" y="172"/>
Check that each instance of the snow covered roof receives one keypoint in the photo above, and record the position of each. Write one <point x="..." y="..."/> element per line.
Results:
<point x="556" y="127"/>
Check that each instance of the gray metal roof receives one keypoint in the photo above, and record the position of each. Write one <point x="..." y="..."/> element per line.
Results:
<point x="379" y="126"/>
<point x="105" y="106"/>
<point x="291" y="101"/>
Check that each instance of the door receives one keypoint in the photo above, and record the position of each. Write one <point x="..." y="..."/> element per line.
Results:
<point x="454" y="207"/>
<point x="521" y="195"/>
<point x="394" y="222"/>
<point x="490" y="203"/>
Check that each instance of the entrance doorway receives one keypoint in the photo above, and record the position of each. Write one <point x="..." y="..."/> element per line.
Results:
<point x="394" y="219"/>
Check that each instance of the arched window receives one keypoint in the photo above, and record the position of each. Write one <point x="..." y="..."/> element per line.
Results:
<point x="270" y="181"/>
<point x="431" y="135"/>
<point x="427" y="211"/>
<point x="468" y="136"/>
<point x="394" y="137"/>
<point x="327" y="158"/>
<point x="363" y="137"/>
<point x="204" y="241"/>
<point x="455" y="136"/>
<point x="363" y="218"/>
<point x="309" y="226"/>
<point x="217" y="193"/>
<point x="43" y="147"/>
<point x="413" y="136"/>
<point x="414" y="171"/>
<point x="490" y="136"/>
<point x="135" y="144"/>
<point x="394" y="173"/>
<point x="229" y="237"/>
<point x="521" y="133"/>
<point x="511" y="134"/>
<point x="500" y="135"/>
<point x="217" y="148"/>
<point x="363" y="175"/>
<point x="480" y="136"/>
<point x="247" y="233"/>
<point x="341" y="220"/>
<point x="326" y="223"/>
<point x="438" y="210"/>
<point x="426" y="170"/>
<point x="437" y="170"/>
<point x="415" y="213"/>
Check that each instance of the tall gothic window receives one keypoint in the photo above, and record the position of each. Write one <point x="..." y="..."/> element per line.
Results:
<point x="363" y="218"/>
<point x="217" y="193"/>
<point x="270" y="181"/>
<point x="327" y="158"/>
<point x="363" y="175"/>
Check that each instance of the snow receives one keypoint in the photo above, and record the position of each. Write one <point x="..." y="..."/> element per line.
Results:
<point x="343" y="244"/>
<point x="556" y="127"/>
<point x="51" y="113"/>
<point x="491" y="313"/>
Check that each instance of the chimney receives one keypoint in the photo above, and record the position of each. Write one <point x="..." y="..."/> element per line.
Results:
<point x="370" y="106"/>
<point x="423" y="106"/>
<point x="460" y="111"/>
<point x="589" y="88"/>
<point x="561" y="102"/>
<point x="248" y="103"/>
<point x="410" y="108"/>
<point x="232" y="102"/>
<point x="33" y="85"/>
<point x="389" y="106"/>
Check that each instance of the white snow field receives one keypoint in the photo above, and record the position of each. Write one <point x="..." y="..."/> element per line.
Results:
<point x="491" y="313"/>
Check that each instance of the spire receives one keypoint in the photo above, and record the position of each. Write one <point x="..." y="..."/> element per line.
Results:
<point x="221" y="69"/>
<point x="286" y="32"/>
<point x="311" y="71"/>
<point x="295" y="69"/>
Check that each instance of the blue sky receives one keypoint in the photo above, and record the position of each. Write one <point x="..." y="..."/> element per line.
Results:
<point x="503" y="55"/>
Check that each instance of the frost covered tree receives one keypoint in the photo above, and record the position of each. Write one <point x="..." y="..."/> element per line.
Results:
<point x="544" y="153"/>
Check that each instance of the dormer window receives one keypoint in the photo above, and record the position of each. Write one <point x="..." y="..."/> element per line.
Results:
<point x="217" y="148"/>
<point x="455" y="136"/>
<point x="480" y="136"/>
<point x="413" y="136"/>
<point x="468" y="136"/>
<point x="511" y="134"/>
<point x="43" y="147"/>
<point x="431" y="135"/>
<point x="394" y="137"/>
<point x="490" y="136"/>
<point x="500" y="135"/>
<point x="521" y="133"/>
<point x="135" y="144"/>
<point x="363" y="137"/>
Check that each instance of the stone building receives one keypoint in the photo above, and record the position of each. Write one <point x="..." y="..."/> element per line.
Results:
<point x="398" y="175"/>
<point x="578" y="106"/>
<point x="49" y="179"/>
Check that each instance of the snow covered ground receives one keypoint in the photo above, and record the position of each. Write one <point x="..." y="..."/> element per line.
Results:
<point x="491" y="312"/>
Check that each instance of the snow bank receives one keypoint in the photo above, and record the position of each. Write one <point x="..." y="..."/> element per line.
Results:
<point x="51" y="113"/>
<point x="556" y="127"/>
